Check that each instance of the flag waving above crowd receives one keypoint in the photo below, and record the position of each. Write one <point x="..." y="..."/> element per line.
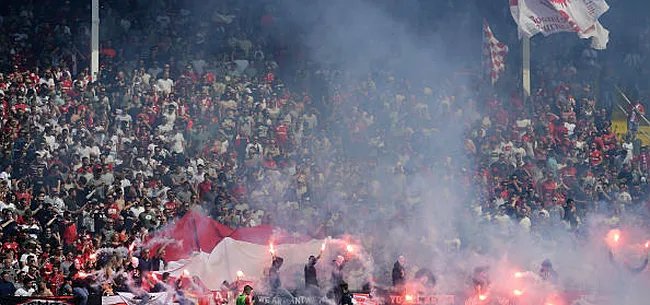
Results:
<point x="494" y="54"/>
<point x="554" y="16"/>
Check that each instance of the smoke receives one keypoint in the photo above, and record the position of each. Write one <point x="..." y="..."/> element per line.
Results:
<point x="397" y="83"/>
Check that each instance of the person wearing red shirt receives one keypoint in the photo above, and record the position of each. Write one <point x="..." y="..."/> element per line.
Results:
<point x="548" y="188"/>
<point x="205" y="186"/>
<point x="172" y="203"/>
<point x="595" y="156"/>
<point x="70" y="234"/>
<point x="112" y="209"/>
<point x="281" y="132"/>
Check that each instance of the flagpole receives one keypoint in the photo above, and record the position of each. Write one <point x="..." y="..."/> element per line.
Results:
<point x="525" y="46"/>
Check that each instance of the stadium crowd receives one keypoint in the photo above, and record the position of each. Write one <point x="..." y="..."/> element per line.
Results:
<point x="219" y="113"/>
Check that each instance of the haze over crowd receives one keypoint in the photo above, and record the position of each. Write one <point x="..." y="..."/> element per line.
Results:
<point x="370" y="121"/>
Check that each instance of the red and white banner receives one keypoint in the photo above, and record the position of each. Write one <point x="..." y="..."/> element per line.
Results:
<point x="494" y="54"/>
<point x="124" y="298"/>
<point x="214" y="253"/>
<point x="554" y="16"/>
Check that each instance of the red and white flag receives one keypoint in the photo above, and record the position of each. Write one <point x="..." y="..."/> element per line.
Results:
<point x="553" y="16"/>
<point x="494" y="54"/>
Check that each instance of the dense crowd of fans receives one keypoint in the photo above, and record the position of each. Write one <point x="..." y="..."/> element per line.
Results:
<point x="191" y="112"/>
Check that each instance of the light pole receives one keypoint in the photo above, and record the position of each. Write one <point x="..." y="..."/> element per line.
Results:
<point x="94" y="41"/>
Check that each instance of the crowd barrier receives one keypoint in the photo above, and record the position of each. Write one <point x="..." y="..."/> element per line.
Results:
<point x="63" y="300"/>
<point x="218" y="298"/>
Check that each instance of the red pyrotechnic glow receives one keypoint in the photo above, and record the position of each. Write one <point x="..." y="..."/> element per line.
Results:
<point x="518" y="274"/>
<point x="482" y="297"/>
<point x="349" y="248"/>
<point x="240" y="274"/>
<point x="93" y="256"/>
<point x="271" y="249"/>
<point x="322" y="247"/>
<point x="184" y="274"/>
<point x="647" y="244"/>
<point x="408" y="298"/>
<point x="614" y="236"/>
<point x="517" y="292"/>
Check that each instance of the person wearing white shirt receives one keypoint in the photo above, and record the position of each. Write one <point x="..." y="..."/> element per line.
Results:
<point x="6" y="175"/>
<point x="166" y="84"/>
<point x="178" y="142"/>
<point x="27" y="290"/>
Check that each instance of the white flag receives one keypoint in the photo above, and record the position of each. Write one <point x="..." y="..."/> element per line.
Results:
<point x="554" y="16"/>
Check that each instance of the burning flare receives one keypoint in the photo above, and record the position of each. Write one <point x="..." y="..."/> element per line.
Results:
<point x="517" y="292"/>
<point x="518" y="274"/>
<point x="482" y="297"/>
<point x="271" y="249"/>
<point x="614" y="236"/>
<point x="322" y="247"/>
<point x="408" y="297"/>
<point x="240" y="274"/>
<point x="349" y="248"/>
<point x="184" y="274"/>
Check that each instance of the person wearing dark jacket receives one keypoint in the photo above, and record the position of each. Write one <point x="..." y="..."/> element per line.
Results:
<point x="311" y="279"/>
<point x="7" y="288"/>
<point x="399" y="273"/>
<point x="346" y="296"/>
<point x="274" y="272"/>
<point x="547" y="272"/>
<point x="80" y="284"/>
<point x="274" y="277"/>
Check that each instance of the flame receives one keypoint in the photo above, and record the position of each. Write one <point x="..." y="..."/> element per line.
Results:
<point x="647" y="244"/>
<point x="349" y="248"/>
<point x="240" y="274"/>
<point x="93" y="256"/>
<point x="614" y="236"/>
<point x="271" y="249"/>
<point x="185" y="273"/>
<point x="153" y="276"/>
<point x="517" y="292"/>
<point x="518" y="274"/>
<point x="408" y="298"/>
<point x="322" y="247"/>
<point x="482" y="297"/>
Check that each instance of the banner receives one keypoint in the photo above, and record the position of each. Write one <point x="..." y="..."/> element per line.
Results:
<point x="216" y="298"/>
<point x="130" y="299"/>
<point x="565" y="298"/>
<point x="494" y="53"/>
<point x="62" y="300"/>
<point x="285" y="300"/>
<point x="553" y="16"/>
